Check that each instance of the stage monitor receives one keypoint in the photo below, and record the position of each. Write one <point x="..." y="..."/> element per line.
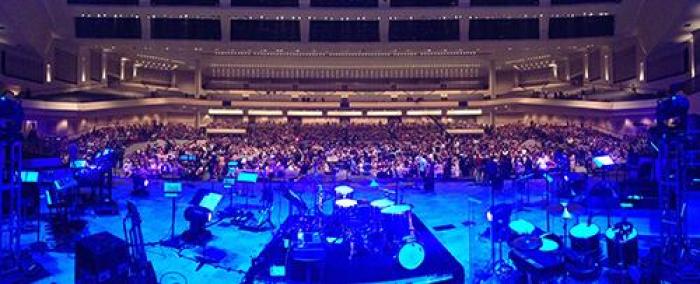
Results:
<point x="78" y="164"/>
<point x="603" y="161"/>
<point x="172" y="189"/>
<point x="248" y="177"/>
<point x="29" y="177"/>
<point x="210" y="201"/>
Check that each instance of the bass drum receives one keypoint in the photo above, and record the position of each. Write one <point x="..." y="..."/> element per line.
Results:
<point x="411" y="255"/>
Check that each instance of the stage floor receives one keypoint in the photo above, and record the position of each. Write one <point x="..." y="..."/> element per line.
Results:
<point x="447" y="213"/>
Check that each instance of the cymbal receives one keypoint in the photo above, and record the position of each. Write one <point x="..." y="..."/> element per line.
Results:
<point x="558" y="209"/>
<point x="529" y="242"/>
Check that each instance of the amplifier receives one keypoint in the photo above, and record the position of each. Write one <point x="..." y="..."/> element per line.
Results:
<point x="101" y="258"/>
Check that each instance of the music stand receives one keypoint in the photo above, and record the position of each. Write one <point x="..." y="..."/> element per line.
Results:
<point x="604" y="163"/>
<point x="172" y="190"/>
<point x="247" y="178"/>
<point x="242" y="178"/>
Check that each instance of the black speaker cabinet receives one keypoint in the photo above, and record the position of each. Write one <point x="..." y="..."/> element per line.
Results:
<point x="101" y="258"/>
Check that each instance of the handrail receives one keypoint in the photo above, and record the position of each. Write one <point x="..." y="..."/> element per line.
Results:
<point x="152" y="102"/>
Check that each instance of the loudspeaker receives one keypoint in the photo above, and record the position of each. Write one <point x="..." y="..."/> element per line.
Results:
<point x="226" y="103"/>
<point x="101" y="258"/>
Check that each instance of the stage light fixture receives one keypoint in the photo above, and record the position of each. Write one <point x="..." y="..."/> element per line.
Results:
<point x="672" y="113"/>
<point x="198" y="215"/>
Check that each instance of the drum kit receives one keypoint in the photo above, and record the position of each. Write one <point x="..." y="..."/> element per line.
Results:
<point x="542" y="256"/>
<point x="369" y="227"/>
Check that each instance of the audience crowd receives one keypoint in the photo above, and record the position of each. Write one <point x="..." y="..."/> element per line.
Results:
<point x="390" y="150"/>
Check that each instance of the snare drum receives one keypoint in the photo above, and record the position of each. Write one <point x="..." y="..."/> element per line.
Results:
<point x="585" y="239"/>
<point x="381" y="203"/>
<point x="519" y="228"/>
<point x="343" y="191"/>
<point x="395" y="221"/>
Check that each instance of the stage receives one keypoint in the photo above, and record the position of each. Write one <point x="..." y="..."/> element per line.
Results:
<point x="453" y="217"/>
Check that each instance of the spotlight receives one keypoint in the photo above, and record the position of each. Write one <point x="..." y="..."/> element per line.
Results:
<point x="672" y="114"/>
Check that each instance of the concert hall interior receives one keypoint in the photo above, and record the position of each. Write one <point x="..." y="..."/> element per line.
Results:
<point x="349" y="141"/>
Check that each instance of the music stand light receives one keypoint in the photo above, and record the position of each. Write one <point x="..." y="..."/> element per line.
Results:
<point x="603" y="161"/>
<point x="172" y="189"/>
<point x="29" y="177"/>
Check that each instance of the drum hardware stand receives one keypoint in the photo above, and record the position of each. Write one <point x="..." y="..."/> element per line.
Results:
<point x="495" y="267"/>
<point x="566" y="215"/>
<point x="141" y="269"/>
<point x="547" y="197"/>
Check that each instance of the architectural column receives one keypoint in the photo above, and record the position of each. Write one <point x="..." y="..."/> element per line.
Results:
<point x="555" y="70"/>
<point x="145" y="2"/>
<point x="545" y="3"/>
<point x="198" y="78"/>
<point x="145" y="26"/>
<point x="83" y="57"/>
<point x="384" y="3"/>
<point x="567" y="70"/>
<point x="586" y="67"/>
<point x="134" y="71"/>
<point x="122" y="68"/>
<point x="49" y="66"/>
<point x="305" y="26"/>
<point x="198" y="119"/>
<point x="226" y="28"/>
<point x="606" y="64"/>
<point x="304" y="3"/>
<point x="641" y="64"/>
<point x="691" y="56"/>
<point x="544" y="26"/>
<point x="492" y="79"/>
<point x="173" y="79"/>
<point x="464" y="29"/>
<point x="225" y="3"/>
<point x="384" y="29"/>
<point x="103" y="67"/>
